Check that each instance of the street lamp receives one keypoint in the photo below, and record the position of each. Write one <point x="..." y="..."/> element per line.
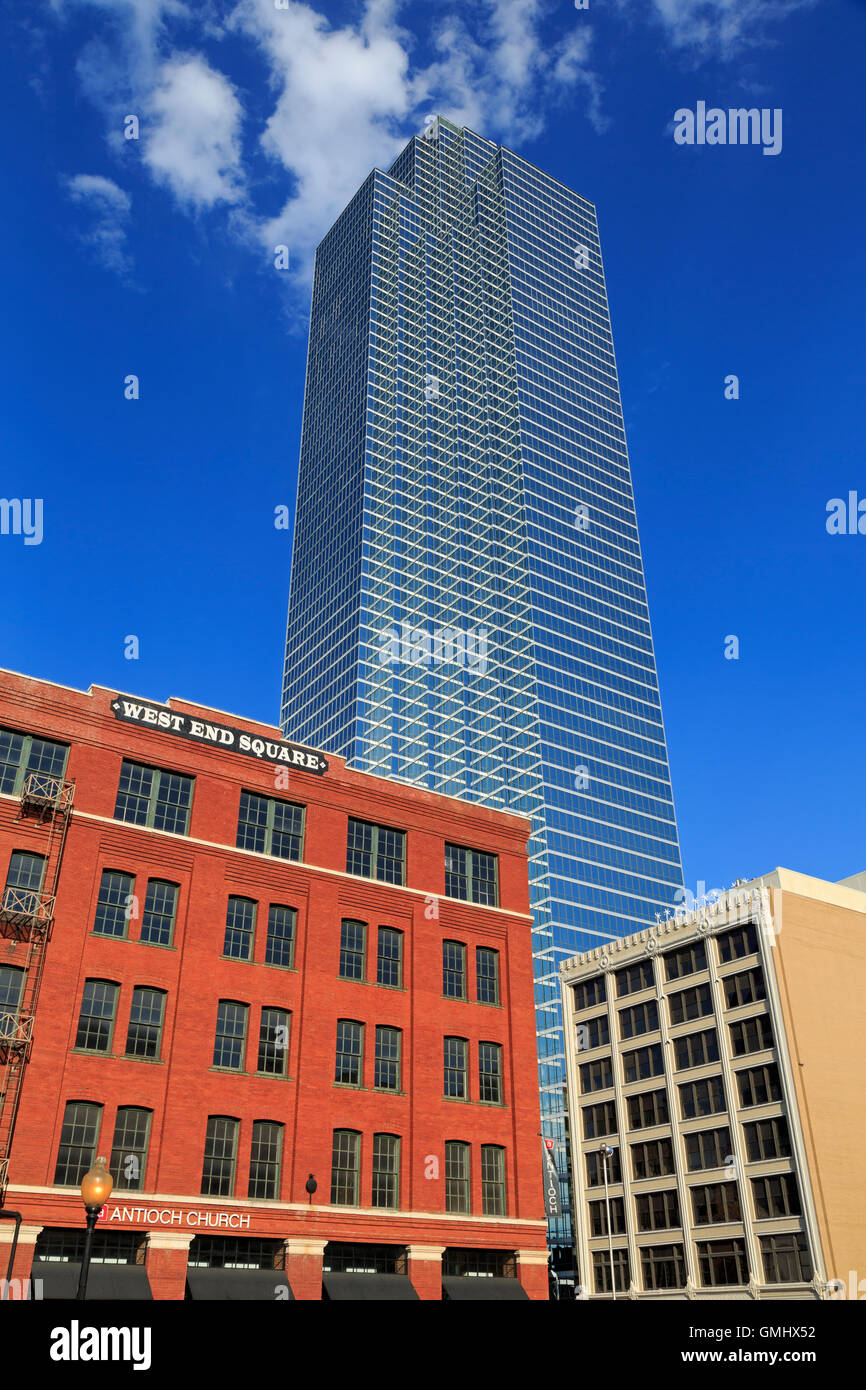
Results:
<point x="95" y="1191"/>
<point x="607" y="1152"/>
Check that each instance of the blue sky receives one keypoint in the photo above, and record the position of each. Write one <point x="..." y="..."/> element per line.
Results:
<point x="155" y="257"/>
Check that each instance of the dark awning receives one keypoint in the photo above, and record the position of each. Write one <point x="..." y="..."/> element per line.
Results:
<point x="475" y="1288"/>
<point x="237" y="1285"/>
<point x="104" y="1281"/>
<point x="364" y="1287"/>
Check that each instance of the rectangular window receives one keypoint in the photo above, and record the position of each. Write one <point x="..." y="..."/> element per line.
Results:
<point x="11" y="990"/>
<point x="77" y="1142"/>
<point x="114" y="904"/>
<point x="269" y="826"/>
<point x="595" y="1166"/>
<point x="456" y="1086"/>
<point x="266" y="1153"/>
<point x="745" y="988"/>
<point x="722" y="1262"/>
<point x="699" y="1098"/>
<point x="350" y="1052"/>
<point x="24" y="753"/>
<point x="456" y="1176"/>
<point x="687" y="961"/>
<point x="490" y="1072"/>
<point x="280" y="945"/>
<point x="231" y="1033"/>
<point x="155" y="798"/>
<point x="492" y="1180"/>
<point x="775" y="1196"/>
<point x="767" y="1139"/>
<point x="345" y="1167"/>
<point x="160" y="907"/>
<point x="22" y="896"/>
<point x="715" y="1203"/>
<point x="129" y="1149"/>
<point x="687" y="1004"/>
<point x="470" y="874"/>
<point x="643" y="1063"/>
<point x="751" y="1035"/>
<point x="649" y="1108"/>
<point x="588" y="993"/>
<point x="601" y="1272"/>
<point x="759" y="1085"/>
<point x="353" y="936"/>
<point x="654" y="1158"/>
<point x="145" y="1023"/>
<point x="453" y="970"/>
<point x="658" y="1211"/>
<point x="596" y="1076"/>
<point x="599" y="1120"/>
<point x="786" y="1259"/>
<point x="696" y="1049"/>
<point x="240" y="928"/>
<point x="375" y="851"/>
<point x="742" y="941"/>
<point x="708" y="1148"/>
<point x="634" y="977"/>
<point x="640" y="1018"/>
<point x="386" y="1170"/>
<point x="96" y="1019"/>
<point x="388" y="1050"/>
<point x="220" y="1155"/>
<point x="389" y="958"/>
<point x="663" y="1266"/>
<point x="273" y="1059"/>
<point x="594" y="1032"/>
<point x="486" y="975"/>
<point x="598" y="1217"/>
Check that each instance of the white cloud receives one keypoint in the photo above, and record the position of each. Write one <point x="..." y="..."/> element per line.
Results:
<point x="192" y="139"/>
<point x="110" y="207"/>
<point x="720" y="27"/>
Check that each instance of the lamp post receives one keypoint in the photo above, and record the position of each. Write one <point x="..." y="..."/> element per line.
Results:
<point x="607" y="1152"/>
<point x="95" y="1191"/>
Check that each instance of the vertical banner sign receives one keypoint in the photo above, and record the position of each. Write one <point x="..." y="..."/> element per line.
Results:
<point x="552" y="1205"/>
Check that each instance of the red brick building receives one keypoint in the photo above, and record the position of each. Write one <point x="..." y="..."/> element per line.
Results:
<point x="227" y="964"/>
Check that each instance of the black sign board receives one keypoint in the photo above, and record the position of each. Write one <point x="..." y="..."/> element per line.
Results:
<point x="552" y="1203"/>
<point x="204" y="731"/>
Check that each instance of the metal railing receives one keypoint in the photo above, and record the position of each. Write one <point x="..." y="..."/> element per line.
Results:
<point x="26" y="907"/>
<point x="43" y="790"/>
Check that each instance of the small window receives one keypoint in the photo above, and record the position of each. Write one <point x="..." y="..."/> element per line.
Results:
<point x="722" y="1263"/>
<point x="115" y="903"/>
<point x="490" y="1073"/>
<point x="687" y="961"/>
<point x="471" y="874"/>
<point x="596" y="1076"/>
<point x="786" y="1259"/>
<point x="345" y="1168"/>
<point x="699" y="1098"/>
<point x="589" y="993"/>
<point x="23" y="753"/>
<point x="456" y="1176"/>
<point x="456" y="1083"/>
<point x="658" y="1211"/>
<point x="751" y="1035"/>
<point x="492" y="1180"/>
<point x="388" y="1049"/>
<point x="160" y="907"/>
<point x="353" y="939"/>
<point x="640" y="1018"/>
<point x="129" y="1150"/>
<point x="11" y="990"/>
<point x="635" y="977"/>
<point x="220" y="1156"/>
<point x="707" y="1148"/>
<point x="716" y="1203"/>
<point x="269" y="826"/>
<point x="77" y="1151"/>
<point x="692" y="1003"/>
<point x="153" y="797"/>
<point x="389" y="958"/>
<point x="745" y="988"/>
<point x="486" y="975"/>
<point x="775" y="1196"/>
<point x="742" y="941"/>
<point x="96" y="1018"/>
<point x="273" y="1058"/>
<point x="599" y="1120"/>
<point x="24" y="882"/>
<point x="266" y="1151"/>
<point x="601" y="1271"/>
<point x="240" y="928"/>
<point x="280" y="946"/>
<point x="654" y="1158"/>
<point x="595" y="1168"/>
<point x="375" y="851"/>
<point x="696" y="1049"/>
<point x="759" y="1085"/>
<point x="663" y="1266"/>
<point x="386" y="1170"/>
<point x="350" y="1053"/>
<point x="453" y="970"/>
<point x="231" y="1032"/>
<point x="650" y="1108"/>
<point x="145" y="1023"/>
<point x="598" y="1217"/>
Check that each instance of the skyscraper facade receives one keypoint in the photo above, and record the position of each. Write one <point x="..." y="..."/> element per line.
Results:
<point x="467" y="608"/>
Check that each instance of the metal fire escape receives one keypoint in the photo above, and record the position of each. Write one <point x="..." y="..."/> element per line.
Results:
<point x="26" y="920"/>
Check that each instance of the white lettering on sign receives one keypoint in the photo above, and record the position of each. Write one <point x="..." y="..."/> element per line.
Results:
<point x="154" y="1216"/>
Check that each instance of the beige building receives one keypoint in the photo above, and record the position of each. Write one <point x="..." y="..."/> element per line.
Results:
<point x="716" y="1099"/>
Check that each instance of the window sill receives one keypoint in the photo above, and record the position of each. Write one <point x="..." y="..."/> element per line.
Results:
<point x="229" y="1071"/>
<point x="94" y="1052"/>
<point x="153" y="1061"/>
<point x="348" y="1086"/>
<point x="271" y="1076"/>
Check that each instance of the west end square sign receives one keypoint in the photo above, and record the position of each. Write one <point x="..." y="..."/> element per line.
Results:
<point x="218" y="735"/>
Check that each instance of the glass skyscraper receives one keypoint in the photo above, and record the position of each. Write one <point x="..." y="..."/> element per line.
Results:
<point x="467" y="608"/>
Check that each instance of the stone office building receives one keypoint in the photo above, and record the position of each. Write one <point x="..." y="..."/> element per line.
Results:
<point x="717" y="1118"/>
